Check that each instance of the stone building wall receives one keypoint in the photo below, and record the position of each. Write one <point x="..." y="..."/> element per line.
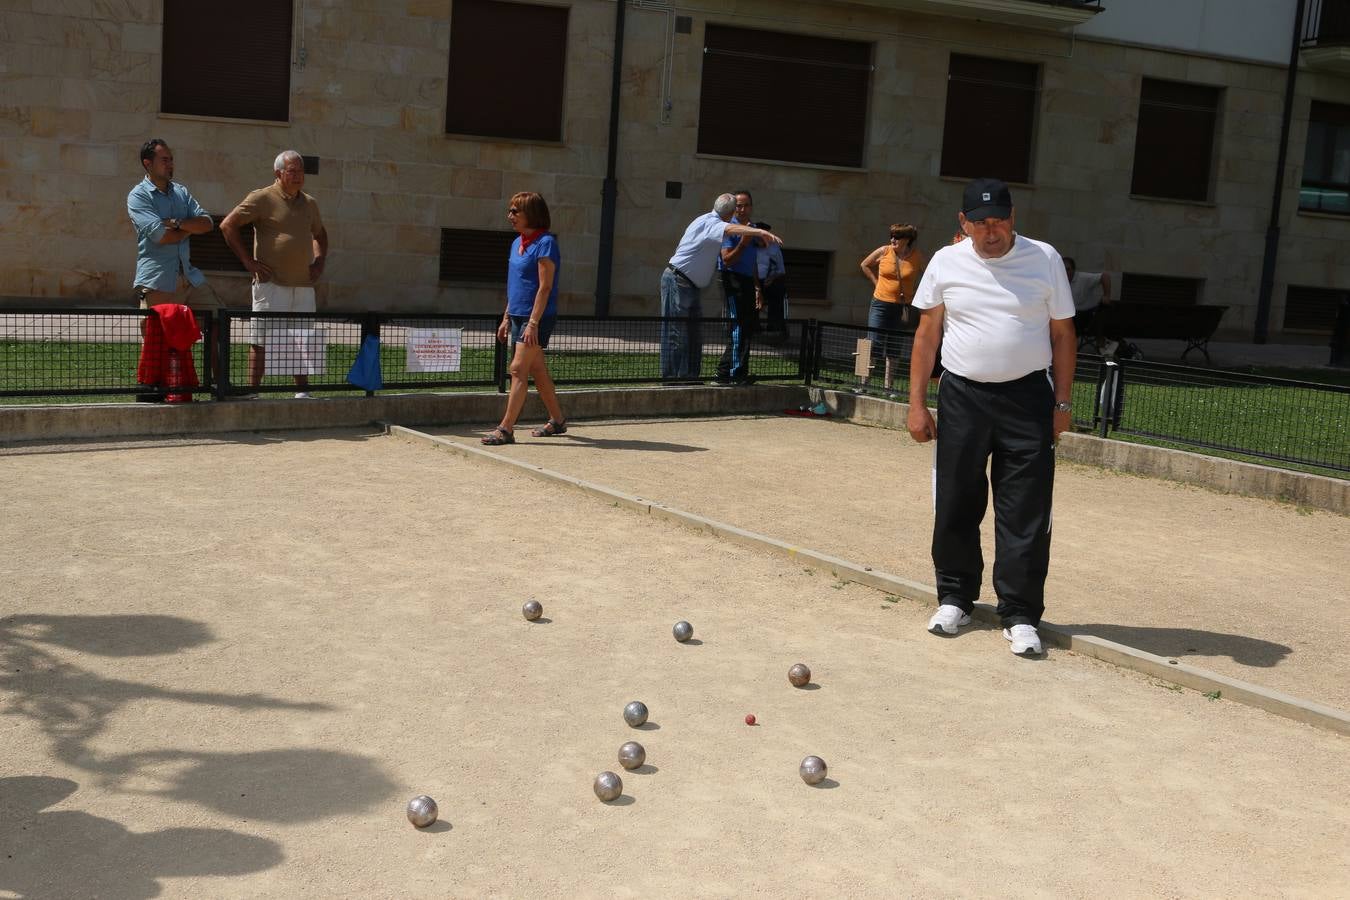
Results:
<point x="80" y="85"/>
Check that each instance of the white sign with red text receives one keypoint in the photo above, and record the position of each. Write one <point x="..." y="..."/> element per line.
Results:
<point x="434" y="349"/>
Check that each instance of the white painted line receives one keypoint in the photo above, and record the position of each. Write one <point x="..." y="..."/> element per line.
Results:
<point x="1159" y="667"/>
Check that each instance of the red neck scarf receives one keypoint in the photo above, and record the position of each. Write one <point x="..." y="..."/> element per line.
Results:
<point x="529" y="237"/>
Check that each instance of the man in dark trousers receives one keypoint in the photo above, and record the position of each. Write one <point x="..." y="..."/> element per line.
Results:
<point x="1000" y="305"/>
<point x="738" y="267"/>
<point x="691" y="270"/>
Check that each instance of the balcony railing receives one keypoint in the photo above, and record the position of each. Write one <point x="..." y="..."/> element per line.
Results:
<point x="1054" y="14"/>
<point x="1327" y="23"/>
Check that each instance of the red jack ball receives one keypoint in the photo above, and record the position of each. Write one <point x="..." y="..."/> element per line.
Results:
<point x="750" y="719"/>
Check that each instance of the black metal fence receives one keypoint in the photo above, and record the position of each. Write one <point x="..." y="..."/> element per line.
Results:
<point x="1271" y="419"/>
<point x="116" y="353"/>
<point x="113" y="352"/>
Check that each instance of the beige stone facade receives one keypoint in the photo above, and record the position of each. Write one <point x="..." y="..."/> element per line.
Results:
<point x="80" y="87"/>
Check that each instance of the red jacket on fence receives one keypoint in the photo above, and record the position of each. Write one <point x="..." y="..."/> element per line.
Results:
<point x="174" y="329"/>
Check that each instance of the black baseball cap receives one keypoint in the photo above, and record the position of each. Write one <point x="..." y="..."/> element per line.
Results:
<point x="986" y="197"/>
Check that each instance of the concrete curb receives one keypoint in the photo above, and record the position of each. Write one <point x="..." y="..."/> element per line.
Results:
<point x="1162" y="668"/>
<point x="114" y="420"/>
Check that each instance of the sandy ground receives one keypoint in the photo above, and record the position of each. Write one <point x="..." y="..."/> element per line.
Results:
<point x="233" y="692"/>
<point x="1254" y="589"/>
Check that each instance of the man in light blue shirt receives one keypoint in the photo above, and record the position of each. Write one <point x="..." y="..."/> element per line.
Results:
<point x="690" y="270"/>
<point x="165" y="216"/>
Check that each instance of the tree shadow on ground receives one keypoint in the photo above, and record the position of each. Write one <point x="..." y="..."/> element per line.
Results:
<point x="72" y="706"/>
<point x="287" y="786"/>
<point x="68" y="853"/>
<point x="122" y="635"/>
<point x="1182" y="642"/>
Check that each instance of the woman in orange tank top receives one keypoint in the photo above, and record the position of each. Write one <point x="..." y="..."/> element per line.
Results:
<point x="894" y="270"/>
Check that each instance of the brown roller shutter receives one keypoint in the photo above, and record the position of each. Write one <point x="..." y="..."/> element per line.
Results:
<point x="470" y="254"/>
<point x="1311" y="309"/>
<point x="210" y="253"/>
<point x="808" y="273"/>
<point x="792" y="97"/>
<point x="1165" y="290"/>
<point x="506" y="70"/>
<point x="1174" y="141"/>
<point x="989" y="102"/>
<point x="227" y="59"/>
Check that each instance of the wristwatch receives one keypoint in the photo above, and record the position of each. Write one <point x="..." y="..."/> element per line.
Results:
<point x="1064" y="406"/>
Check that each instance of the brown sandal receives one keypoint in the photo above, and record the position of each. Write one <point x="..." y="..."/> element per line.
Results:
<point x="498" y="436"/>
<point x="550" y="429"/>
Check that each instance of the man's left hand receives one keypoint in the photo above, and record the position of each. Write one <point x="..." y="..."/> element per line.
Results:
<point x="315" y="270"/>
<point x="1063" y="423"/>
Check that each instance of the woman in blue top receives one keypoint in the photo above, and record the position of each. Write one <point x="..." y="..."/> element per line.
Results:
<point x="531" y="310"/>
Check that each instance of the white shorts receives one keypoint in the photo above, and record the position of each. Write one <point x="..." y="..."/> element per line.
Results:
<point x="269" y="297"/>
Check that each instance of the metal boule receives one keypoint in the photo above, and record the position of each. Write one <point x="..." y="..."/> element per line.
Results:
<point x="422" y="811"/>
<point x="631" y="755"/>
<point x="635" y="713"/>
<point x="608" y="786"/>
<point x="813" y="770"/>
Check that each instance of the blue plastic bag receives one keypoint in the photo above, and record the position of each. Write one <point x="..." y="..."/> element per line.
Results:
<point x="365" y="372"/>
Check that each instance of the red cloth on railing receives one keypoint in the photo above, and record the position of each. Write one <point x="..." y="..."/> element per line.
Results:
<point x="172" y="327"/>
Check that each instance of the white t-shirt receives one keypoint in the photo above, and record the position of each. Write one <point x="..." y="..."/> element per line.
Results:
<point x="1087" y="292"/>
<point x="997" y="312"/>
<point x="700" y="248"/>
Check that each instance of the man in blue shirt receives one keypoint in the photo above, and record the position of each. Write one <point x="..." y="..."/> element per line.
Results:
<point x="689" y="271"/>
<point x="773" y="288"/>
<point x="165" y="216"/>
<point x="740" y="287"/>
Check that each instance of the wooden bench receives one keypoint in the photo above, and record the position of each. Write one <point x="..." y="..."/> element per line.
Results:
<point x="1192" y="324"/>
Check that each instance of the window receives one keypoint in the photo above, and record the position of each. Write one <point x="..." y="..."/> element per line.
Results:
<point x="506" y="70"/>
<point x="231" y="60"/>
<point x="210" y="252"/>
<point x="808" y="273"/>
<point x="1165" y="290"/>
<point x="1326" y="161"/>
<point x="470" y="254"/>
<point x="987" y="99"/>
<point x="1312" y="309"/>
<point x="1174" y="144"/>
<point x="791" y="97"/>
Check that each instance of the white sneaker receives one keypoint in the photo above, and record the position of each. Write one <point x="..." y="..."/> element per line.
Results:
<point x="947" y="620"/>
<point x="1026" y="641"/>
<point x="303" y="395"/>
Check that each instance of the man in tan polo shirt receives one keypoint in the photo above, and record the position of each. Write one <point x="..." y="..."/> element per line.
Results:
<point x="290" y="245"/>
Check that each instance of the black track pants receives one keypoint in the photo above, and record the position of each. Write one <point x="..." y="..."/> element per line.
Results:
<point x="1009" y="426"/>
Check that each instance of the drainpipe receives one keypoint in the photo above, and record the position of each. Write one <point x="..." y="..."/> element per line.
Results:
<point x="1273" y="230"/>
<point x="604" y="266"/>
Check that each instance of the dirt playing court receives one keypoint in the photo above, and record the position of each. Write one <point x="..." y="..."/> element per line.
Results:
<point x="226" y="664"/>
<point x="1249" y="588"/>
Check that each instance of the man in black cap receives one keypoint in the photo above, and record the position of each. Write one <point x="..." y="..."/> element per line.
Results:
<point x="1000" y="305"/>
